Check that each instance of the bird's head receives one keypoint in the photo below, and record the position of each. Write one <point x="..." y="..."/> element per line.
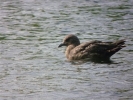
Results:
<point x="70" y="40"/>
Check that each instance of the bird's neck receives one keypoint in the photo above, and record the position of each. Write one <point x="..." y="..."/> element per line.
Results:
<point x="68" y="50"/>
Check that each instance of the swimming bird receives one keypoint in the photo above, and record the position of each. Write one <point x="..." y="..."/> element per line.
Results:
<point x="92" y="50"/>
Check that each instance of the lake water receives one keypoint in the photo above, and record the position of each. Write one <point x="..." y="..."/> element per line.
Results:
<point x="32" y="67"/>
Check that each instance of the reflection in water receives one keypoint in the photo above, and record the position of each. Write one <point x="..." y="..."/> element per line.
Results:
<point x="32" y="66"/>
<point x="98" y="61"/>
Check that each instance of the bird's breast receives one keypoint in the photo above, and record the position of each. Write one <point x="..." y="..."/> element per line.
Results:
<point x="68" y="51"/>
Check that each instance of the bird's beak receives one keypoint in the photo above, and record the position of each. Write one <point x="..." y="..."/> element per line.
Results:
<point x="62" y="44"/>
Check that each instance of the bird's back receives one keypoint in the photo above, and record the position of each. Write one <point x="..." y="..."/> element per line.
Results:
<point x="96" y="49"/>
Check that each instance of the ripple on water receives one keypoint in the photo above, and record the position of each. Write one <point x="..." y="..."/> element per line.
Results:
<point x="33" y="67"/>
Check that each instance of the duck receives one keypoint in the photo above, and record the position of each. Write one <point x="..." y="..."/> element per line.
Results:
<point x="95" y="49"/>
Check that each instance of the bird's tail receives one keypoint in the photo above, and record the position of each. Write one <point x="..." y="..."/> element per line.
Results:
<point x="117" y="45"/>
<point x="120" y="43"/>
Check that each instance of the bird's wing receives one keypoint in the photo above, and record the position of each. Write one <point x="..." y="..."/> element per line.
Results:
<point x="85" y="49"/>
<point x="98" y="48"/>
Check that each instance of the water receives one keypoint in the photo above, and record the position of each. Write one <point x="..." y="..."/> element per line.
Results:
<point x="34" y="68"/>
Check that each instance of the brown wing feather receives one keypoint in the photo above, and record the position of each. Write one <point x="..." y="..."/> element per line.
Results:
<point x="97" y="48"/>
<point x="83" y="49"/>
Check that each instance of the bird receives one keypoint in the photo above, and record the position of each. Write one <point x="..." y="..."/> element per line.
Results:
<point x="94" y="50"/>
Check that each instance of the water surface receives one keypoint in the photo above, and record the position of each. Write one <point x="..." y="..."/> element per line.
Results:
<point x="34" y="68"/>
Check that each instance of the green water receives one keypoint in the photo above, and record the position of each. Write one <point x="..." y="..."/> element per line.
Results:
<point x="34" y="68"/>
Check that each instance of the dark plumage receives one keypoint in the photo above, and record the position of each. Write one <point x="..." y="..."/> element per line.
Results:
<point x="93" y="49"/>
